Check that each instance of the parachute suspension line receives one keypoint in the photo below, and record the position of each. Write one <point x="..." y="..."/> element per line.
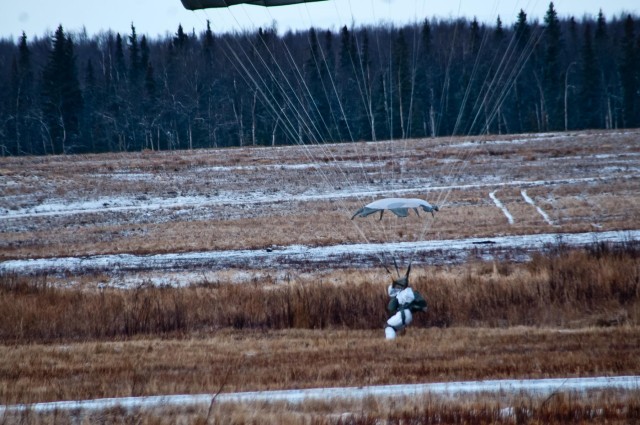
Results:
<point x="461" y="111"/>
<point x="299" y="102"/>
<point x="494" y="91"/>
<point x="478" y="105"/>
<point x="256" y="80"/>
<point x="324" y="64"/>
<point x="443" y="101"/>
<point x="490" y="94"/>
<point x="244" y="73"/>
<point x="522" y="60"/>
<point x="405" y="116"/>
<point x="269" y="96"/>
<point x="416" y="44"/>
<point x="395" y="163"/>
<point x="501" y="95"/>
<point x="334" y="90"/>
<point x="303" y="118"/>
<point x="250" y="77"/>
<point x="364" y="90"/>
<point x="319" y="65"/>
<point x="358" y="69"/>
<point x="382" y="162"/>
<point x="495" y="97"/>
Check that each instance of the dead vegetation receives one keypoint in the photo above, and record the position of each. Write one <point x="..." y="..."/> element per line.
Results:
<point x="293" y="359"/>
<point x="255" y="198"/>
<point x="559" y="288"/>
<point x="567" y="312"/>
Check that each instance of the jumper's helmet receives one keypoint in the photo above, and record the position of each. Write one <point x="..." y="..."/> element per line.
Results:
<point x="401" y="282"/>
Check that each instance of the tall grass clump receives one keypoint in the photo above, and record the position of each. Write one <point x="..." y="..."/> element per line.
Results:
<point x="598" y="286"/>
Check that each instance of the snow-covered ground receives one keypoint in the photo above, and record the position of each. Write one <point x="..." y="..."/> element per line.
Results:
<point x="198" y="265"/>
<point x="533" y="387"/>
<point x="549" y="187"/>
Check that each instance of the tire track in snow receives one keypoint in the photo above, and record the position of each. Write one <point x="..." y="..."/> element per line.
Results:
<point x="500" y="205"/>
<point x="530" y="201"/>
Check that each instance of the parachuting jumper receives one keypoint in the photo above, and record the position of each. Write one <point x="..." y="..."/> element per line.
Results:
<point x="404" y="302"/>
<point x="205" y="4"/>
<point x="398" y="206"/>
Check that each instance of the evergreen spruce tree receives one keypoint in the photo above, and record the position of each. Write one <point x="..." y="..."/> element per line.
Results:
<point x="315" y="75"/>
<point x="208" y="45"/>
<point x="629" y="75"/>
<point x="424" y="85"/>
<point x="366" y="130"/>
<point x="525" y="88"/>
<point x="475" y="71"/>
<point x="150" y="106"/>
<point x="500" y="107"/>
<point x="196" y="94"/>
<point x="61" y="95"/>
<point x="601" y="26"/>
<point x="607" y="71"/>
<point x="91" y="103"/>
<point x="552" y="73"/>
<point x="120" y="64"/>
<point x="333" y="98"/>
<point x="590" y="88"/>
<point x="135" y="62"/>
<point x="180" y="40"/>
<point x="498" y="33"/>
<point x="21" y="132"/>
<point x="522" y="29"/>
<point x="346" y="85"/>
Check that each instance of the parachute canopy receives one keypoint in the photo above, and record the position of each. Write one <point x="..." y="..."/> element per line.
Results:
<point x="399" y="206"/>
<point x="205" y="4"/>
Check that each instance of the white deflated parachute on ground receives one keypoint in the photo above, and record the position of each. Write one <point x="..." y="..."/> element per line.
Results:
<point x="398" y="206"/>
<point x="399" y="226"/>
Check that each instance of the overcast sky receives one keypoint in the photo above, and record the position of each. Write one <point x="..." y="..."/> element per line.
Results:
<point x="160" y="17"/>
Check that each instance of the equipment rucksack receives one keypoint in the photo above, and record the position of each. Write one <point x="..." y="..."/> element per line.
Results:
<point x="418" y="303"/>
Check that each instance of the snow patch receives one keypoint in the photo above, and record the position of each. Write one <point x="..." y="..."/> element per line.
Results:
<point x="500" y="205"/>
<point x="538" y="387"/>
<point x="530" y="201"/>
<point x="200" y="266"/>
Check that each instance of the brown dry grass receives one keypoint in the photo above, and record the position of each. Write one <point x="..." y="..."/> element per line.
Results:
<point x="270" y="360"/>
<point x="561" y="288"/>
<point x="567" y="313"/>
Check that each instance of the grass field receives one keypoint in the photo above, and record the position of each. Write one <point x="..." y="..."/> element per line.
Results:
<point x="566" y="312"/>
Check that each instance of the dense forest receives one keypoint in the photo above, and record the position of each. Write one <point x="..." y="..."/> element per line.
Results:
<point x="75" y="93"/>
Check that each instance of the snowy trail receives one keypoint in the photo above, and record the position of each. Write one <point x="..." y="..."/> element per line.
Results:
<point x="433" y="252"/>
<point x="500" y="205"/>
<point x="540" y="387"/>
<point x="530" y="201"/>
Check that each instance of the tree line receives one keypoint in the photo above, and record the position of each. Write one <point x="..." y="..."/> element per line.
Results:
<point x="74" y="93"/>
